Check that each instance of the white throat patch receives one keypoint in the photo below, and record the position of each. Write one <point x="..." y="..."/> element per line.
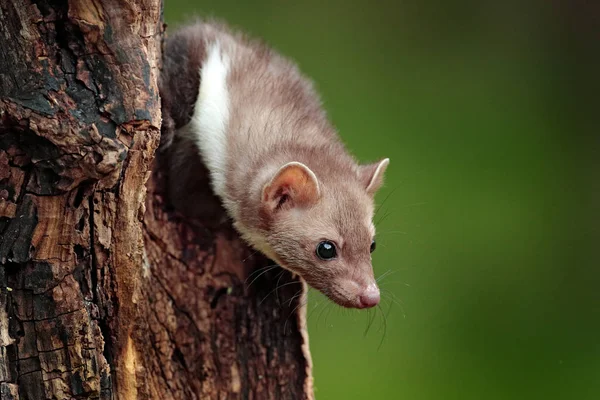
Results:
<point x="211" y="115"/>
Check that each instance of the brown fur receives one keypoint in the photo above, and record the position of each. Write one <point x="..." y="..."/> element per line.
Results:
<point x="275" y="118"/>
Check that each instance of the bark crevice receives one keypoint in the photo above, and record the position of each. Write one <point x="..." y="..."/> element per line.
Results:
<point x="107" y="292"/>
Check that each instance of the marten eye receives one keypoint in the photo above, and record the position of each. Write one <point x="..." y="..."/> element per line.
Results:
<point x="326" y="250"/>
<point x="373" y="246"/>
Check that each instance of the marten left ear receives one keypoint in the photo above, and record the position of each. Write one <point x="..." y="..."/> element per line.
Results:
<point x="293" y="185"/>
<point x="371" y="175"/>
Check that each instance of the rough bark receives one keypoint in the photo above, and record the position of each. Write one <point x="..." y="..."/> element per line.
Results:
<point x="218" y="328"/>
<point x="95" y="300"/>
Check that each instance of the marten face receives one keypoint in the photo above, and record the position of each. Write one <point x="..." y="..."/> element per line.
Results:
<point x="324" y="233"/>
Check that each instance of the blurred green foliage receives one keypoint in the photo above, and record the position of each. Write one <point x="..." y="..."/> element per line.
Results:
<point x="488" y="111"/>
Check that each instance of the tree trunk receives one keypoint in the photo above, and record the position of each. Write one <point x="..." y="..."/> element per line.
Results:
<point x="106" y="292"/>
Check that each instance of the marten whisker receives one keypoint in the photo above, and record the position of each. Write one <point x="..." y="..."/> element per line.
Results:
<point x="387" y="214"/>
<point x="370" y="318"/>
<point x="384" y="200"/>
<point x="327" y="305"/>
<point x="250" y="256"/>
<point x="265" y="270"/>
<point x="298" y="294"/>
<point x="258" y="270"/>
<point x="390" y="282"/>
<point x="386" y="273"/>
<point x="300" y="304"/>
<point x="393" y="299"/>
<point x="277" y="287"/>
<point x="313" y="310"/>
<point x="384" y="319"/>
<point x="335" y="306"/>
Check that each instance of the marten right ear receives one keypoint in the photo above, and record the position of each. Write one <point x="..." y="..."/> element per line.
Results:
<point x="293" y="185"/>
<point x="371" y="175"/>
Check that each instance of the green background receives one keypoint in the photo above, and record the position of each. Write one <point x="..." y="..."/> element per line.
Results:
<point x="488" y="111"/>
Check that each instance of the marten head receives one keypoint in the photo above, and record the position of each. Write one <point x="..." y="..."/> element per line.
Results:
<point x="324" y="231"/>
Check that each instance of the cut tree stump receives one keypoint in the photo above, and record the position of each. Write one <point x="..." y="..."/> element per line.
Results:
<point x="107" y="291"/>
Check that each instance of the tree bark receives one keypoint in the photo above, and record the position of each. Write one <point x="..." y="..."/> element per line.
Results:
<point x="106" y="292"/>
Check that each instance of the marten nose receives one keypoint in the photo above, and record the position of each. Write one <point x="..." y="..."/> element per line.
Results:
<point x="370" y="297"/>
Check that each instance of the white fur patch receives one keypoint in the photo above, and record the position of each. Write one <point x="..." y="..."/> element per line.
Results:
<point x="211" y="115"/>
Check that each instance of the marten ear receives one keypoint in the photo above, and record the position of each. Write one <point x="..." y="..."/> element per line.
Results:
<point x="371" y="175"/>
<point x="293" y="185"/>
